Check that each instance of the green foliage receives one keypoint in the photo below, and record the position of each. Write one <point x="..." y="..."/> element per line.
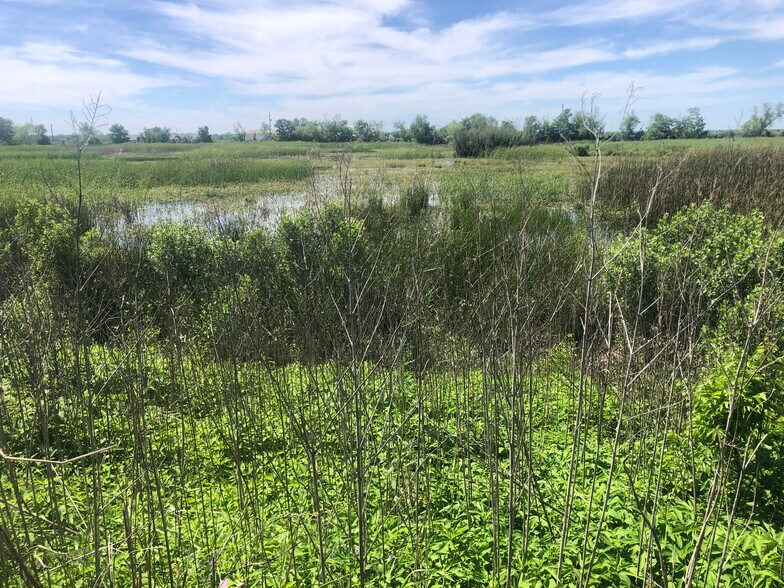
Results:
<point x="628" y="131"/>
<point x="421" y="131"/>
<point x="690" y="126"/>
<point x="6" y="131"/>
<point x="155" y="135"/>
<point x="739" y="414"/>
<point x="203" y="135"/>
<point x="368" y="131"/>
<point x="118" y="134"/>
<point x="758" y="124"/>
<point x="660" y="126"/>
<point x="420" y="368"/>
<point x="703" y="257"/>
<point x="415" y="197"/>
<point x="581" y="151"/>
<point x="31" y="134"/>
<point x="482" y="140"/>
<point x="183" y="254"/>
<point x="334" y="130"/>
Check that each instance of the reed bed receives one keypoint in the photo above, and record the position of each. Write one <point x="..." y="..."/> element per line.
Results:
<point x="741" y="179"/>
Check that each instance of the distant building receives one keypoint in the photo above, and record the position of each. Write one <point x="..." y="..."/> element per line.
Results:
<point x="260" y="135"/>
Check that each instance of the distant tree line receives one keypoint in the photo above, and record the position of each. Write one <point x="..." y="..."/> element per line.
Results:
<point x="471" y="136"/>
<point x="25" y="134"/>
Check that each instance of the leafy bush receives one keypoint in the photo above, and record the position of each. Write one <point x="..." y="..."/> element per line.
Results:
<point x="739" y="414"/>
<point x="694" y="261"/>
<point x="479" y="142"/>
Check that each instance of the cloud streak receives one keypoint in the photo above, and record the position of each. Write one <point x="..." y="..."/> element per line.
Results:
<point x="390" y="58"/>
<point x="41" y="72"/>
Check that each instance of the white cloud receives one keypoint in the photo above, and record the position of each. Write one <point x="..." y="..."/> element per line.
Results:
<point x="764" y="29"/>
<point x="40" y="75"/>
<point x="324" y="57"/>
<point x="665" y="47"/>
<point x="542" y="97"/>
<point x="346" y="49"/>
<point x="57" y="53"/>
<point x="594" y="12"/>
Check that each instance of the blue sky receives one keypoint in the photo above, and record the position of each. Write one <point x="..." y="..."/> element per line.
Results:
<point x="217" y="62"/>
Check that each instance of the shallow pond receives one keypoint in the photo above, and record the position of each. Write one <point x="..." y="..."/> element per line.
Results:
<point x="220" y="216"/>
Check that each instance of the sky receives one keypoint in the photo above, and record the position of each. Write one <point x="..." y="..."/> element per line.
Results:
<point x="220" y="62"/>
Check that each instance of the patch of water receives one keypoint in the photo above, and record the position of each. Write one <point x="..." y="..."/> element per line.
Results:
<point x="224" y="216"/>
<point x="263" y="212"/>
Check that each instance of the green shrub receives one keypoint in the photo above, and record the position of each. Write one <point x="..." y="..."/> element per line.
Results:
<point x="694" y="261"/>
<point x="480" y="141"/>
<point x="739" y="415"/>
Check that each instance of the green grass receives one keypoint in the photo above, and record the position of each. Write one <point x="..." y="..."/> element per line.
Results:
<point x="232" y="485"/>
<point x="134" y="169"/>
<point x="560" y="152"/>
<point x="251" y="387"/>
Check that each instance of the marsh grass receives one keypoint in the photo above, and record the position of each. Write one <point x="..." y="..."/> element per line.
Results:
<point x="377" y="393"/>
<point x="106" y="175"/>
<point x="740" y="178"/>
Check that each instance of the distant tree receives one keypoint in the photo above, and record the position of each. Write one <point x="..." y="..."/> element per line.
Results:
<point x="368" y="130"/>
<point x="450" y="129"/>
<point x="563" y="128"/>
<point x="760" y="121"/>
<point x="440" y="136"/>
<point x="239" y="132"/>
<point x="286" y="129"/>
<point x="691" y="126"/>
<point x="660" y="126"/>
<point x="307" y="130"/>
<point x="118" y="134"/>
<point x="155" y="135"/>
<point x="203" y="135"/>
<point x="6" y="131"/>
<point x="87" y="133"/>
<point x="336" y="130"/>
<point x="532" y="130"/>
<point x="478" y="121"/>
<point x="400" y="131"/>
<point x="31" y="134"/>
<point x="628" y="130"/>
<point x="421" y="130"/>
<point x="586" y="124"/>
<point x="447" y="133"/>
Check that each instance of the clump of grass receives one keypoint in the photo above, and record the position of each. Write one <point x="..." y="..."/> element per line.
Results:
<point x="411" y="151"/>
<point x="537" y="153"/>
<point x="209" y="172"/>
<point x="415" y="197"/>
<point x="740" y="178"/>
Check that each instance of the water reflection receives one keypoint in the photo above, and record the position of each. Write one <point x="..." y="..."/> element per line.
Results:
<point x="263" y="212"/>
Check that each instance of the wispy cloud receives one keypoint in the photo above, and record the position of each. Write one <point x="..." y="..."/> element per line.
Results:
<point x="665" y="47"/>
<point x="42" y="72"/>
<point x="384" y="58"/>
<point x="588" y="13"/>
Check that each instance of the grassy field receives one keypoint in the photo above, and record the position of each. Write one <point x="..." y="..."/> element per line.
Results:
<point x="271" y="364"/>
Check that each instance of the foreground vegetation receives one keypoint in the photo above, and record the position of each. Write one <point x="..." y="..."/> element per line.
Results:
<point x="547" y="378"/>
